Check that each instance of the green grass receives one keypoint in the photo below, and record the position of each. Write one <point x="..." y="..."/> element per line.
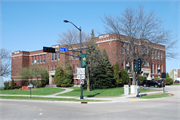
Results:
<point x="46" y="99"/>
<point x="110" y="92"/>
<point x="176" y="84"/>
<point x="38" y="91"/>
<point x="156" y="96"/>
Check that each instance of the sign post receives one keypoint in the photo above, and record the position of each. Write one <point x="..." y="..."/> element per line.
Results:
<point x="30" y="85"/>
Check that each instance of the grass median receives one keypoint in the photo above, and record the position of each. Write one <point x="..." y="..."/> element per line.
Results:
<point x="109" y="92"/>
<point x="38" y="91"/>
<point x="47" y="99"/>
<point x="159" y="95"/>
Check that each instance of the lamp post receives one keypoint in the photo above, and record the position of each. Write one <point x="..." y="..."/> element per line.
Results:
<point x="79" y="28"/>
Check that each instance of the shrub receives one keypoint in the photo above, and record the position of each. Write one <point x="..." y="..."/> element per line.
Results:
<point x="169" y="81"/>
<point x="67" y="85"/>
<point x="59" y="76"/>
<point x="38" y="85"/>
<point x="7" y="87"/>
<point x="156" y="78"/>
<point x="141" y="78"/>
<point x="124" y="76"/>
<point x="12" y="84"/>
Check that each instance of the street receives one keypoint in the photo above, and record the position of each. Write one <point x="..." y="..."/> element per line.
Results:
<point x="151" y="109"/>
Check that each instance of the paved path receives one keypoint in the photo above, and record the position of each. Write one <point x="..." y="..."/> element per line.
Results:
<point x="168" y="89"/>
<point x="65" y="91"/>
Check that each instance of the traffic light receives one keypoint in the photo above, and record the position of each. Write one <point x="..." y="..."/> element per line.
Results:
<point x="49" y="49"/>
<point x="139" y="66"/>
<point x="135" y="65"/>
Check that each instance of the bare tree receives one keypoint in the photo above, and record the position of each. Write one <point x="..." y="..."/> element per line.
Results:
<point x="138" y="32"/>
<point x="71" y="39"/>
<point x="5" y="63"/>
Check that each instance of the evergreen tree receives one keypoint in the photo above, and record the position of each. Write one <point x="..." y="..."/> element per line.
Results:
<point x="59" y="76"/>
<point x="92" y="61"/>
<point x="116" y="72"/>
<point x="103" y="76"/>
<point x="108" y="69"/>
<point x="12" y="84"/>
<point x="68" y="74"/>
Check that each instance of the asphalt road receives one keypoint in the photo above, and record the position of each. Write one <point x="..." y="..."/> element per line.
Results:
<point x="136" y="109"/>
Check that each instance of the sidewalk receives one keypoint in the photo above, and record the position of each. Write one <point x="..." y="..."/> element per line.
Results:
<point x="123" y="98"/>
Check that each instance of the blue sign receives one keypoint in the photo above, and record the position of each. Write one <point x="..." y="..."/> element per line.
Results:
<point x="63" y="49"/>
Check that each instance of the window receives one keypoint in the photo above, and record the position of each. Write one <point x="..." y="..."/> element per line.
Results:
<point x="55" y="68"/>
<point x="161" y="55"/>
<point x="135" y="49"/>
<point x="32" y="59"/>
<point x="151" y="54"/>
<point x="51" y="68"/>
<point x="146" y="63"/>
<point x="73" y="55"/>
<point x="130" y="52"/>
<point x="38" y="59"/>
<point x="122" y="64"/>
<point x="145" y="50"/>
<point x="154" y="54"/>
<point x="155" y="68"/>
<point x="58" y="55"/>
<point x="41" y="59"/>
<point x="55" y="56"/>
<point x="44" y="58"/>
<point x="52" y="57"/>
<point x="127" y="48"/>
<point x="122" y="48"/>
<point x="158" y="55"/>
<point x="158" y="69"/>
<point x="77" y="56"/>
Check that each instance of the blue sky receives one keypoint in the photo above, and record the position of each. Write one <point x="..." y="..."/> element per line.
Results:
<point x="30" y="25"/>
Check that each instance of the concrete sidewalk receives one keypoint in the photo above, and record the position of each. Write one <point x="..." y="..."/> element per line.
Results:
<point x="123" y="98"/>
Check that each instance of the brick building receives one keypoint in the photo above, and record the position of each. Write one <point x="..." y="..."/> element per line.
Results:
<point x="109" y="42"/>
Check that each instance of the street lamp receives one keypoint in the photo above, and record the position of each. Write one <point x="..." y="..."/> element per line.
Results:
<point x="79" y="28"/>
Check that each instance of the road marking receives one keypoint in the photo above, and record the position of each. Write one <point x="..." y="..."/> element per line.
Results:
<point x="40" y="113"/>
<point x="134" y="100"/>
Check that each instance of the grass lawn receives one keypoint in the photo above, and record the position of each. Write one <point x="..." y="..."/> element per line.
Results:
<point x="38" y="91"/>
<point x="156" y="96"/>
<point x="176" y="84"/>
<point x="98" y="92"/>
<point x="45" y="98"/>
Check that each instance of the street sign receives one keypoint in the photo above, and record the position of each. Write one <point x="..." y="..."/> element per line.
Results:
<point x="82" y="81"/>
<point x="80" y="71"/>
<point x="80" y="76"/>
<point x="30" y="85"/>
<point x="63" y="49"/>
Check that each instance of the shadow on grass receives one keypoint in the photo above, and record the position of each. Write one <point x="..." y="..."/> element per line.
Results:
<point x="93" y="95"/>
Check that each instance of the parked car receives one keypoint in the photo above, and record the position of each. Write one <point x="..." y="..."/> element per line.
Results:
<point x="176" y="81"/>
<point x="148" y="83"/>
